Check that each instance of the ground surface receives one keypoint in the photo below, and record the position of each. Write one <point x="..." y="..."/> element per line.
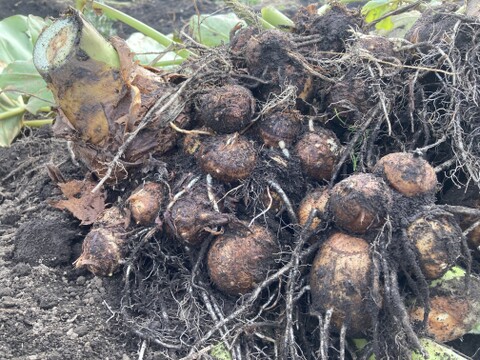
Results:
<point x="48" y="310"/>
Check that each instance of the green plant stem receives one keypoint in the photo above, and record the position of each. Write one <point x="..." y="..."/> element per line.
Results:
<point x="276" y="18"/>
<point x="45" y="109"/>
<point x="11" y="113"/>
<point x="246" y="14"/>
<point x="168" y="63"/>
<point x="37" y="123"/>
<point x="6" y="99"/>
<point x="139" y="26"/>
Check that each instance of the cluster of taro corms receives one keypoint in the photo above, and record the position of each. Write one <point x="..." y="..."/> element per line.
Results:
<point x="296" y="141"/>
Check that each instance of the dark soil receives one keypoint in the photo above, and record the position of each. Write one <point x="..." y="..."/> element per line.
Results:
<point x="48" y="310"/>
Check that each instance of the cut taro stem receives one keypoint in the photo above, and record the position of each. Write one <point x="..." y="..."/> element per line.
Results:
<point x="115" y="14"/>
<point x="80" y="67"/>
<point x="245" y="13"/>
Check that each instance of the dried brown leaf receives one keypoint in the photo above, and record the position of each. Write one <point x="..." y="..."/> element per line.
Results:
<point x="127" y="65"/>
<point x="81" y="202"/>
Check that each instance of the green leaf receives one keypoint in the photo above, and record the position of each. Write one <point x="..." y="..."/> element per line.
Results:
<point x="147" y="49"/>
<point x="41" y="100"/>
<point x="376" y="13"/>
<point x="9" y="129"/>
<point x="475" y="330"/>
<point x="220" y="352"/>
<point x="454" y="273"/>
<point x="21" y="76"/>
<point x="434" y="350"/>
<point x="375" y="9"/>
<point x="18" y="34"/>
<point x="213" y="30"/>
<point x="11" y="118"/>
<point x="385" y="24"/>
<point x="401" y="24"/>
<point x="437" y="351"/>
<point x="372" y="5"/>
<point x="18" y="76"/>
<point x="35" y="25"/>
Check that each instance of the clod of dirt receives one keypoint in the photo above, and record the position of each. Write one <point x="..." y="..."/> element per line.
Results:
<point x="271" y="57"/>
<point x="333" y="28"/>
<point x="240" y="259"/>
<point x="226" y="109"/>
<point x="21" y="269"/>
<point x="48" y="241"/>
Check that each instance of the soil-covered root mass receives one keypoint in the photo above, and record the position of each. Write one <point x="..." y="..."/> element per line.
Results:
<point x="283" y="188"/>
